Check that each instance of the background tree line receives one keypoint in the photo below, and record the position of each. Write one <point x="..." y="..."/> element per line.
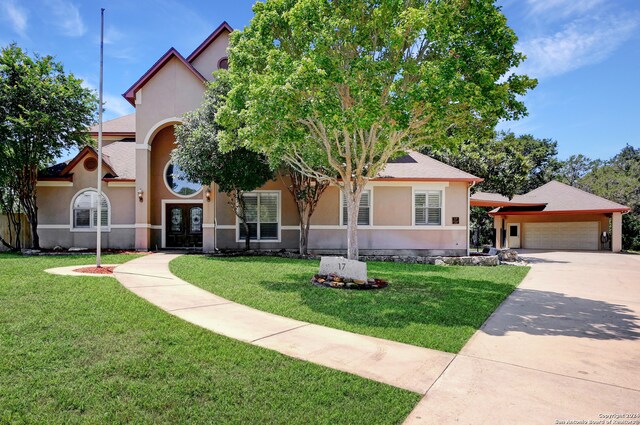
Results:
<point x="514" y="165"/>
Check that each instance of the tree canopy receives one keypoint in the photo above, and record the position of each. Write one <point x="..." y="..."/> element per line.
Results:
<point x="509" y="164"/>
<point x="618" y="179"/>
<point x="337" y="88"/>
<point x="44" y="111"/>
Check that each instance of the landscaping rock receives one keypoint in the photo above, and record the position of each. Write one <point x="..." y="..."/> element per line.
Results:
<point x="351" y="269"/>
<point x="340" y="282"/>
<point x="77" y="249"/>
<point x="508" y="255"/>
<point x="58" y="248"/>
<point x="27" y="251"/>
<point x="438" y="262"/>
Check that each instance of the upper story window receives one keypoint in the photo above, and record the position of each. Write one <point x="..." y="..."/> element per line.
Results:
<point x="364" y="213"/>
<point x="85" y="210"/>
<point x="263" y="216"/>
<point x="178" y="183"/>
<point x="428" y="207"/>
<point x="223" y="63"/>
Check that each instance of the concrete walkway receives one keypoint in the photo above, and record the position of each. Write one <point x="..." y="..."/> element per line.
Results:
<point x="564" y="346"/>
<point x="401" y="365"/>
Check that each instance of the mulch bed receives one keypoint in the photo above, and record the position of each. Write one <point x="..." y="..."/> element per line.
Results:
<point x="95" y="270"/>
<point x="339" y="282"/>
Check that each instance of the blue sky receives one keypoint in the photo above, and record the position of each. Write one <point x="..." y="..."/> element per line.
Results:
<point x="585" y="53"/>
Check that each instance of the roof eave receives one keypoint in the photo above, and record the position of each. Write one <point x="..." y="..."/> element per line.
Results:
<point x="429" y="179"/>
<point x="489" y="203"/>
<point x="116" y="179"/>
<point x="113" y="133"/>
<point x="561" y="212"/>
<point x="56" y="179"/>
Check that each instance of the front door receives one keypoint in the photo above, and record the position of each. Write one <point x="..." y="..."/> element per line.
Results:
<point x="183" y="226"/>
<point x="514" y="236"/>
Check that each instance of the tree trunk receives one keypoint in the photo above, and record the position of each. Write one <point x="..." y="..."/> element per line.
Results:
<point x="352" y="197"/>
<point x="236" y="200"/>
<point x="304" y="236"/>
<point x="34" y="233"/>
<point x="247" y="236"/>
<point x="7" y="244"/>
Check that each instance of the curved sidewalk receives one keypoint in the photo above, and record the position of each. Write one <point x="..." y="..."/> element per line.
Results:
<point x="401" y="365"/>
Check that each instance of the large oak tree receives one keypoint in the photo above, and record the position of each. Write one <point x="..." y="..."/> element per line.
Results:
<point x="43" y="112"/>
<point x="336" y="88"/>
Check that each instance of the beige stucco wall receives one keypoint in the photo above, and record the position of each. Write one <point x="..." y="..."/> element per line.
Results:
<point x="171" y="92"/>
<point x="455" y="204"/>
<point x="162" y="145"/>
<point x="392" y="214"/>
<point x="207" y="61"/>
<point x="54" y="209"/>
<point x="392" y="206"/>
<point x="160" y="103"/>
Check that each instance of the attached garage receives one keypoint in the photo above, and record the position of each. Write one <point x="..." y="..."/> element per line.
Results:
<point x="554" y="216"/>
<point x="561" y="235"/>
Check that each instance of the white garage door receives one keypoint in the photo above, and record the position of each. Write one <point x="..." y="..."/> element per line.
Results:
<point x="570" y="235"/>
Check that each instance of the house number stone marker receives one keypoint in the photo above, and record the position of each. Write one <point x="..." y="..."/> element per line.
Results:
<point x="350" y="269"/>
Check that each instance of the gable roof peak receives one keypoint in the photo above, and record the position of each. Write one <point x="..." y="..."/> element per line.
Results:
<point x="224" y="26"/>
<point x="130" y="94"/>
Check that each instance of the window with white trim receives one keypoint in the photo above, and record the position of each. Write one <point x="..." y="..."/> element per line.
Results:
<point x="364" y="213"/>
<point x="85" y="210"/>
<point x="428" y="207"/>
<point x="263" y="213"/>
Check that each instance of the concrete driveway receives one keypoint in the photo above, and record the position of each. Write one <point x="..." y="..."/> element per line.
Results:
<point x="565" y="346"/>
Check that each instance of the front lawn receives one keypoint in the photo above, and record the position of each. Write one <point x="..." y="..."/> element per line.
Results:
<point x="430" y="306"/>
<point x="86" y="350"/>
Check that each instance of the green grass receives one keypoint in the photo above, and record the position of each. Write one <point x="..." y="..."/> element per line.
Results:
<point x="86" y="350"/>
<point x="429" y="306"/>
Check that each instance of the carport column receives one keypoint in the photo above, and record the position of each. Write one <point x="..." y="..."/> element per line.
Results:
<point x="143" y="226"/>
<point x="497" y="225"/>
<point x="616" y="232"/>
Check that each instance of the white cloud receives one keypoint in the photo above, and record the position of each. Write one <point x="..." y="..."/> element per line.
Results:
<point x="561" y="8"/>
<point x="579" y="43"/>
<point x="16" y="15"/>
<point x="117" y="44"/>
<point x="114" y="105"/>
<point x="112" y="35"/>
<point x="66" y="16"/>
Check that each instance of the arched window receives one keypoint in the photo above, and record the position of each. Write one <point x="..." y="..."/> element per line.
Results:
<point x="85" y="210"/>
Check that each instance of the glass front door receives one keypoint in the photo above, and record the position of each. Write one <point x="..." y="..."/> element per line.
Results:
<point x="183" y="226"/>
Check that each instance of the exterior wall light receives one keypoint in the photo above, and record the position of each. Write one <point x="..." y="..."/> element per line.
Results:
<point x="208" y="194"/>
<point x="140" y="193"/>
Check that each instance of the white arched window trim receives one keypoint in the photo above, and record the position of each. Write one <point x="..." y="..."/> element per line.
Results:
<point x="72" y="227"/>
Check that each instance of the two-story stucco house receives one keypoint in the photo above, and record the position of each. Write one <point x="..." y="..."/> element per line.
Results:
<point x="416" y="205"/>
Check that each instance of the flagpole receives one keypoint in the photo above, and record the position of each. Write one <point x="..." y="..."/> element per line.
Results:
<point x="99" y="200"/>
